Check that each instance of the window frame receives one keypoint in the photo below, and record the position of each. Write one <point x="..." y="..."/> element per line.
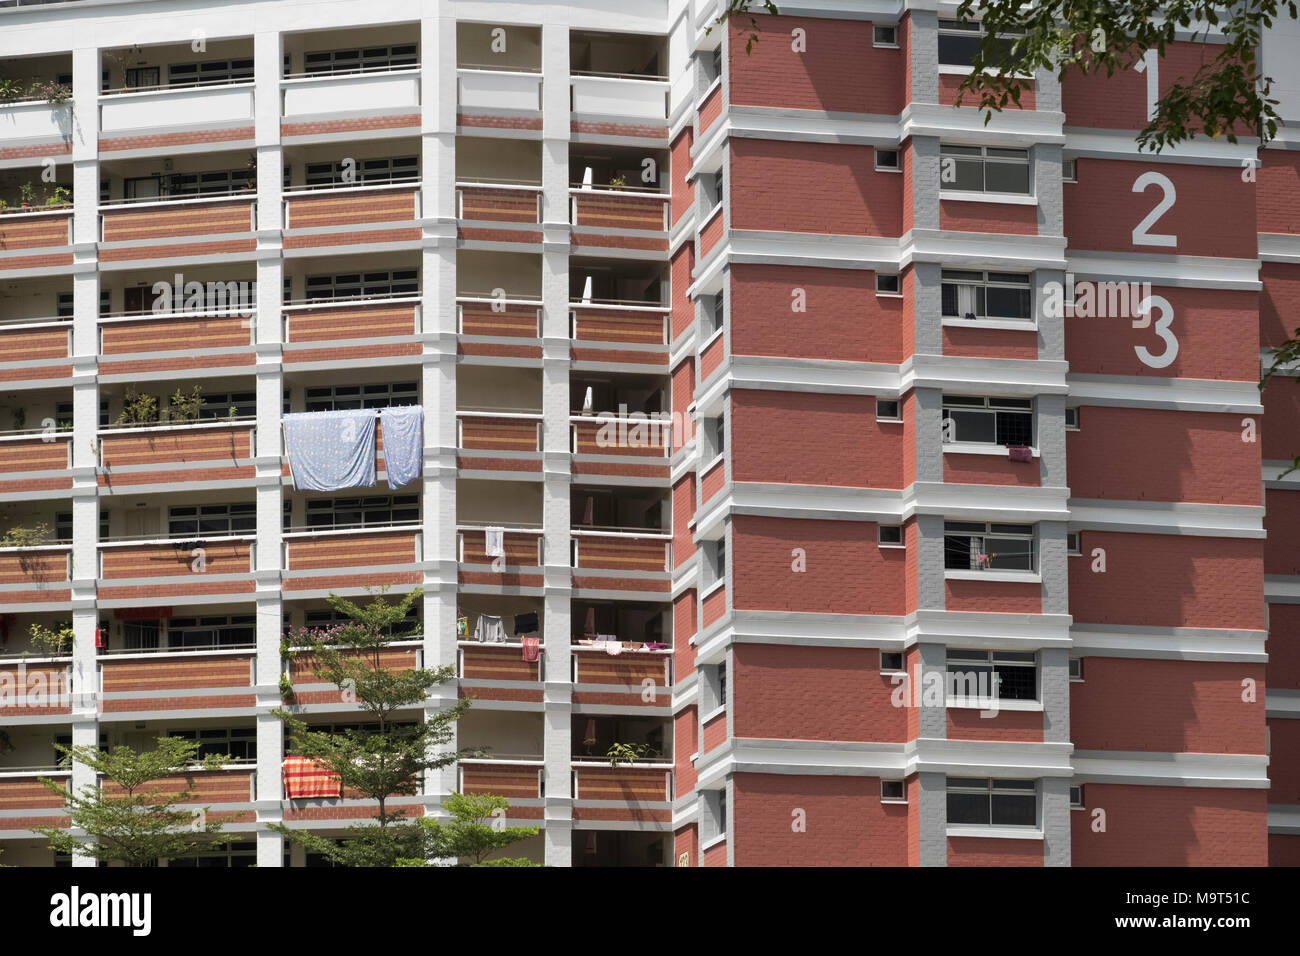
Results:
<point x="885" y="168"/>
<point x="896" y="292"/>
<point x="982" y="658"/>
<point x="891" y="44"/>
<point x="998" y="157"/>
<point x="327" y="398"/>
<point x="900" y="797"/>
<point x="880" y="536"/>
<point x="955" y="529"/>
<point x="966" y="404"/>
<point x="980" y="281"/>
<point x="898" y="410"/>
<point x="990" y="787"/>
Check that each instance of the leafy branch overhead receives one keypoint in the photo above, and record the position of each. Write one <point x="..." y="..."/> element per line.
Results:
<point x="743" y="8"/>
<point x="1226" y="95"/>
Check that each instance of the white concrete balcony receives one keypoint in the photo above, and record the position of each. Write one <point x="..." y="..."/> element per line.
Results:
<point x="219" y="103"/>
<point x="311" y="95"/>
<point x="642" y="99"/>
<point x="498" y="90"/>
<point x="34" y="120"/>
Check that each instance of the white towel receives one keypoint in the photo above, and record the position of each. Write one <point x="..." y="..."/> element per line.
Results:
<point x="494" y="542"/>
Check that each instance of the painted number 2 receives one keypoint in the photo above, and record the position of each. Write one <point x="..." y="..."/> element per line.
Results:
<point x="1141" y="237"/>
<point x="1161" y="306"/>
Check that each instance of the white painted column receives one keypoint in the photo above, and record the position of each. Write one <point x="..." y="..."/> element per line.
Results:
<point x="556" y="443"/>
<point x="438" y="387"/>
<point x="266" y="325"/>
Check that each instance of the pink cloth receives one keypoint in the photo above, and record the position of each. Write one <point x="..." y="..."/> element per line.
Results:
<point x="1020" y="453"/>
<point x="531" y="648"/>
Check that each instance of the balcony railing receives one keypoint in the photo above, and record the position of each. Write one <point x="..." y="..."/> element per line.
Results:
<point x="353" y="318"/>
<point x="627" y="323"/>
<point x="27" y="344"/>
<point x="313" y="94"/>
<point x="133" y="334"/>
<point x="631" y="97"/>
<point x="308" y="208"/>
<point x="632" y="551"/>
<point x="235" y="782"/>
<point x="498" y="431"/>
<point x="522" y="546"/>
<point x="141" y="671"/>
<point x="128" y="220"/>
<point x="629" y="668"/>
<point x="495" y="663"/>
<point x="200" y="558"/>
<point x="36" y="686"/>
<point x="499" y="202"/>
<point x="515" y="317"/>
<point x="618" y="208"/>
<point x="34" y="450"/>
<point x="39" y="228"/>
<point x="642" y="782"/>
<point x="205" y="441"/>
<point x="606" y="435"/>
<point x="498" y="90"/>
<point x="322" y="548"/>
<point x="22" y="569"/>
<point x="515" y="779"/>
<point x="23" y="796"/>
<point x="126" y="110"/>
<point x="35" y="120"/>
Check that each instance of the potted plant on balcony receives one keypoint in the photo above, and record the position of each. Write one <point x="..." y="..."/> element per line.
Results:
<point x="10" y="91"/>
<point x="53" y="641"/>
<point x="617" y="182"/>
<point x="629" y="753"/>
<point x="185" y="408"/>
<point x="137" y="409"/>
<point x="52" y="92"/>
<point x="59" y="196"/>
<point x="27" y="194"/>
<point x="23" y="537"/>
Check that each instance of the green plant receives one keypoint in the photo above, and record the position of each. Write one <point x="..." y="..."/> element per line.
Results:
<point x="27" y="193"/>
<point x="137" y="409"/>
<point x="4" y="203"/>
<point x="131" y="817"/>
<point x="470" y="835"/>
<point x="185" y="408"/>
<point x="384" y="756"/>
<point x="617" y="182"/>
<point x="21" y="537"/>
<point x="54" y="641"/>
<point x="10" y="91"/>
<point x="59" y="196"/>
<point x="286" y="689"/>
<point x="629" y="753"/>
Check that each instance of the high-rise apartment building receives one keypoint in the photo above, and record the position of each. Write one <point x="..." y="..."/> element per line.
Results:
<point x="956" y="553"/>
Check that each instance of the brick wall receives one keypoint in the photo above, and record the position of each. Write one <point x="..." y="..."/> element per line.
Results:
<point x="847" y="572"/>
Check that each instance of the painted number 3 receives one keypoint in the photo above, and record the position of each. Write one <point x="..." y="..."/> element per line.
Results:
<point x="1160" y="305"/>
<point x="1142" y="236"/>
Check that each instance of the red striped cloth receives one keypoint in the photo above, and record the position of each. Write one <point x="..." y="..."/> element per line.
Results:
<point x="531" y="647"/>
<point x="305" y="778"/>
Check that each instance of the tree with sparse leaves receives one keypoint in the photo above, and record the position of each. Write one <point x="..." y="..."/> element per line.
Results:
<point x="386" y="756"/>
<point x="132" y="818"/>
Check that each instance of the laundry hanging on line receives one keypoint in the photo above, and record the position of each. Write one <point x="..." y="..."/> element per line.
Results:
<point x="403" y="430"/>
<point x="330" y="451"/>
